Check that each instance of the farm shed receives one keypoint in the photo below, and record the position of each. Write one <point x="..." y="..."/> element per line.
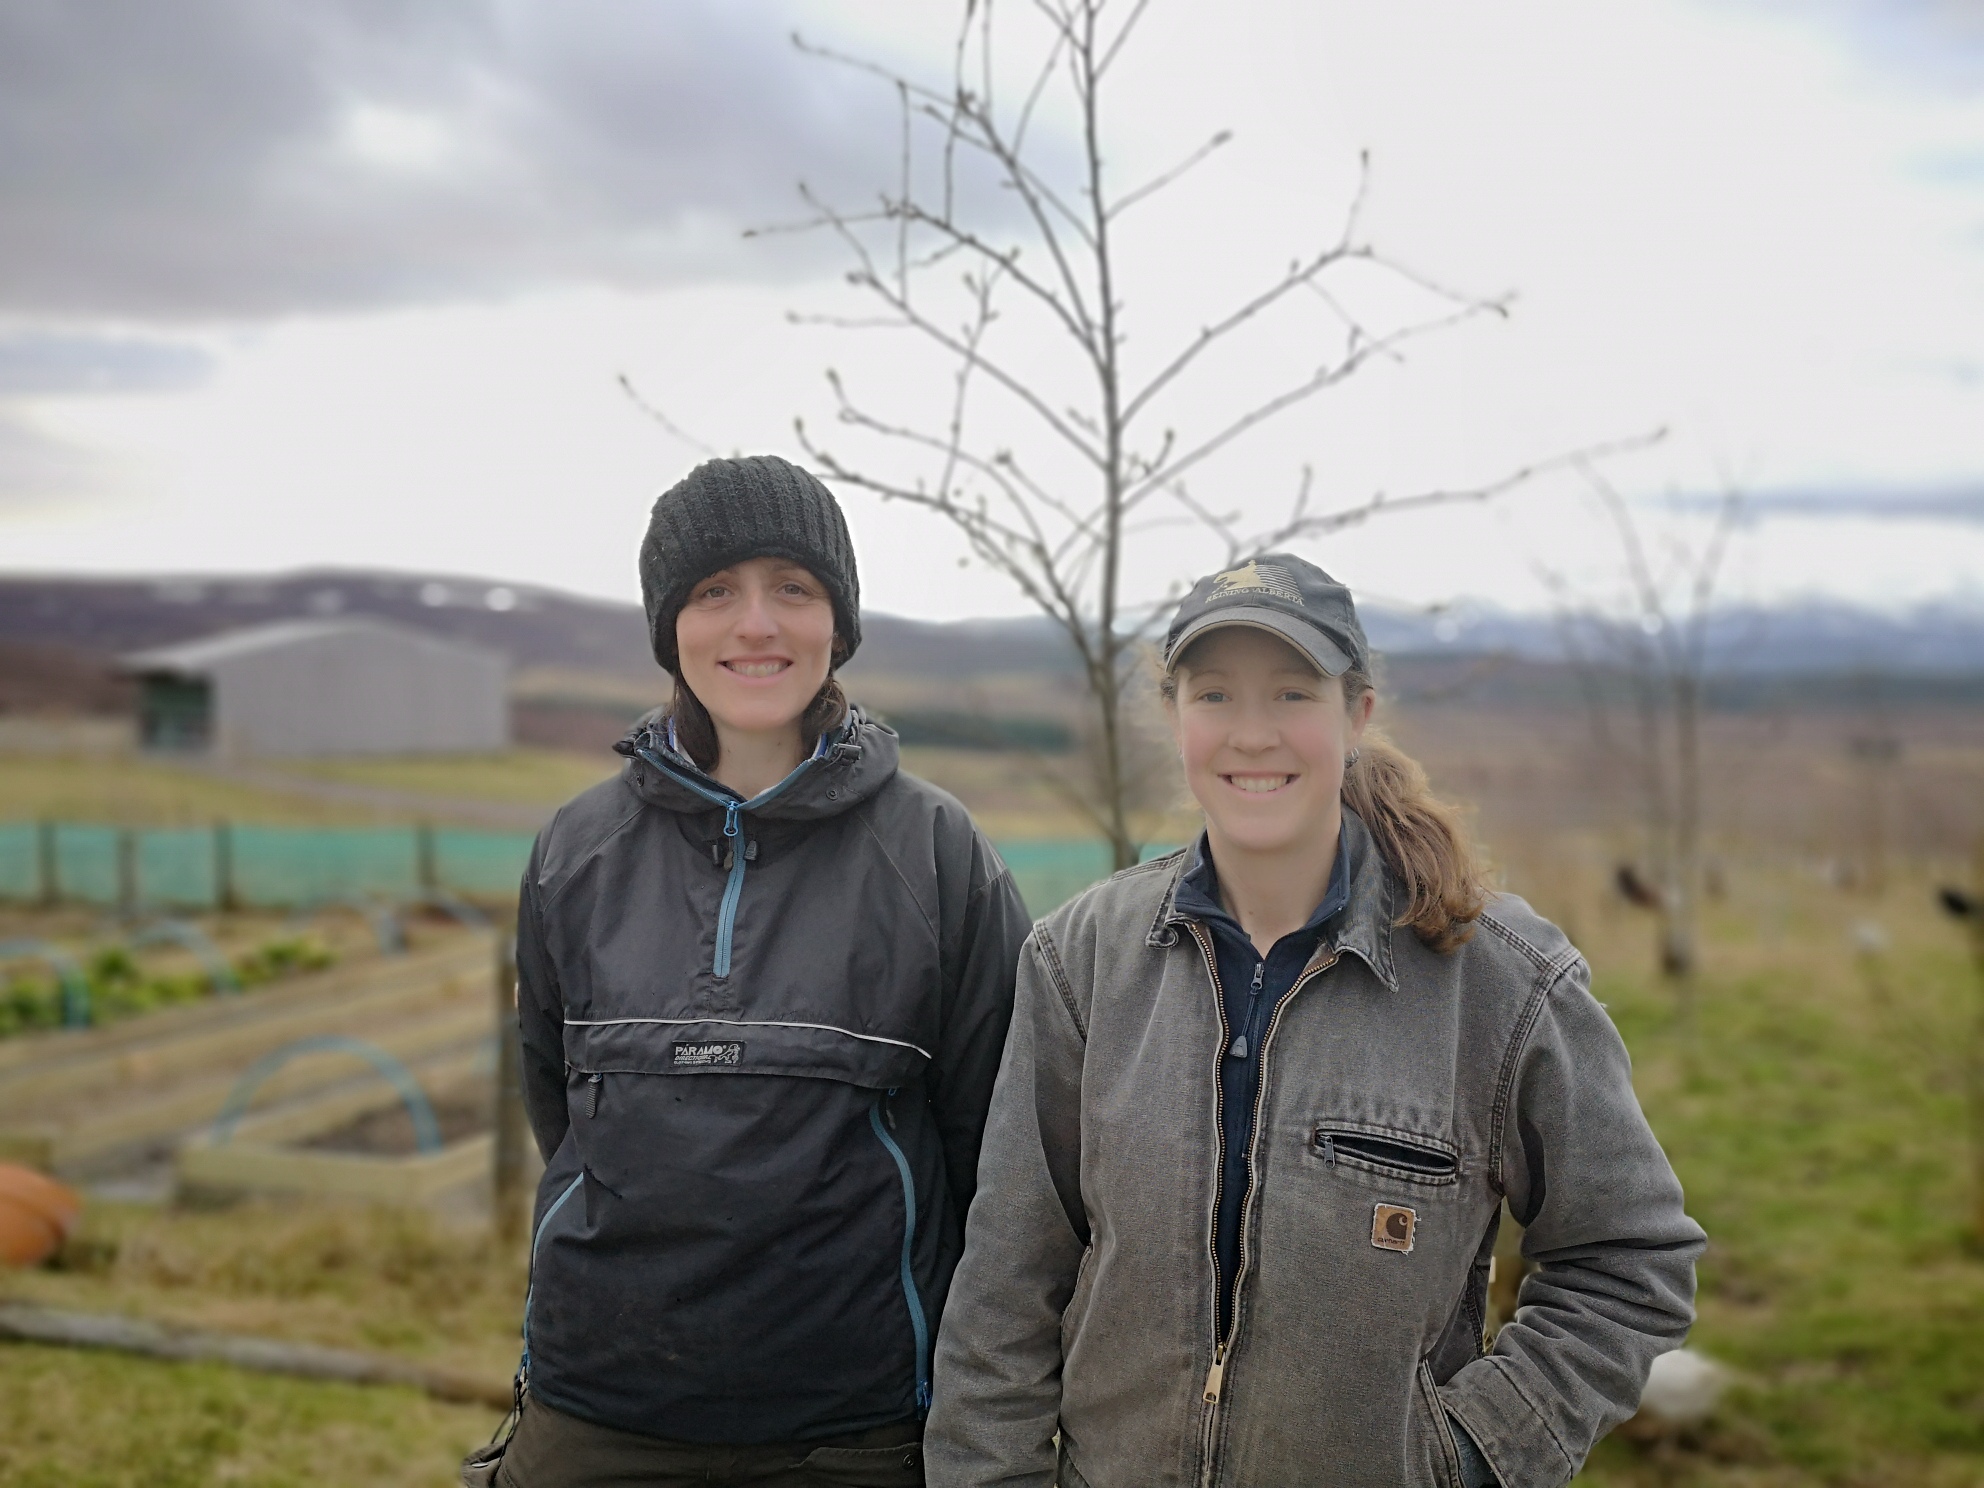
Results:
<point x="322" y="687"/>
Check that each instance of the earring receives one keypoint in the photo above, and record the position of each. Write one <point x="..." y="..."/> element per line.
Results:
<point x="1352" y="758"/>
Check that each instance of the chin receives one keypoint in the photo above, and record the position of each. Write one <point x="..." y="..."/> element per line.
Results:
<point x="756" y="712"/>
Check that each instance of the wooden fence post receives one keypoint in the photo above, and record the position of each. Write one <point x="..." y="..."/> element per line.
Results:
<point x="127" y="872"/>
<point x="1976" y="928"/>
<point x="226" y="898"/>
<point x="48" y="863"/>
<point x="426" y="870"/>
<point x="512" y="1124"/>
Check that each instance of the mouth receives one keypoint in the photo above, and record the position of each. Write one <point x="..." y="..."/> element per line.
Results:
<point x="756" y="667"/>
<point x="1258" y="785"/>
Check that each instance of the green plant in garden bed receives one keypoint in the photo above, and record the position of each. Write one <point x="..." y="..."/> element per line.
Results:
<point x="120" y="987"/>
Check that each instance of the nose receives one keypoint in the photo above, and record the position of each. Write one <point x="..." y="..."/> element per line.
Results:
<point x="754" y="618"/>
<point x="1254" y="731"/>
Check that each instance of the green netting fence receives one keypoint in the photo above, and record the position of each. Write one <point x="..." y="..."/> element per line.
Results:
<point x="238" y="865"/>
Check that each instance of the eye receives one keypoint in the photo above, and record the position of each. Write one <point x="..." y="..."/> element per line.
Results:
<point x="1295" y="695"/>
<point x="713" y="591"/>
<point x="1212" y="695"/>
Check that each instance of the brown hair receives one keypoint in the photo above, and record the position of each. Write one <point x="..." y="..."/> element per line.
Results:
<point x="1421" y="838"/>
<point x="695" y="730"/>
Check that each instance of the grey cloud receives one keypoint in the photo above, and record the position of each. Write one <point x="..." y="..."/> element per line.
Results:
<point x="1939" y="43"/>
<point x="234" y="158"/>
<point x="1955" y="503"/>
<point x="44" y="364"/>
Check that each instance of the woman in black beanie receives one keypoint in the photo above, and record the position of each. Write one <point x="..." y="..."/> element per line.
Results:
<point x="764" y="979"/>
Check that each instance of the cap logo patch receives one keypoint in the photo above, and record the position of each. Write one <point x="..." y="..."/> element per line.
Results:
<point x="1392" y="1227"/>
<point x="1258" y="578"/>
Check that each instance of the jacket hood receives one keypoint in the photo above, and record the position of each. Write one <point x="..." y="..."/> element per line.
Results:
<point x="850" y="765"/>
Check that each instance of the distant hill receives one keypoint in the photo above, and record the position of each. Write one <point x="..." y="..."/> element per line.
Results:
<point x="597" y="652"/>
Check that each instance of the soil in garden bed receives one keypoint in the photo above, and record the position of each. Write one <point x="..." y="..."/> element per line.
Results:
<point x="389" y="1132"/>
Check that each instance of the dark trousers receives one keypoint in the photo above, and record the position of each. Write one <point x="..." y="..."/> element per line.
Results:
<point x="554" y="1450"/>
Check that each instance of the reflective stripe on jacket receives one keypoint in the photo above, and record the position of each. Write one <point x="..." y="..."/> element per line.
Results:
<point x="759" y="1040"/>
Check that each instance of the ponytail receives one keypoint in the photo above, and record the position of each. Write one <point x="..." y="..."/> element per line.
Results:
<point x="1420" y="837"/>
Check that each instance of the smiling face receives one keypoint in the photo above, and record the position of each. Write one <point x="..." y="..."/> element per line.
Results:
<point x="756" y="643"/>
<point x="1263" y="737"/>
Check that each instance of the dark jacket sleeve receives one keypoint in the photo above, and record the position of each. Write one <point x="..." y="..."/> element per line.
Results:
<point x="998" y="1363"/>
<point x="540" y="1018"/>
<point x="978" y="1008"/>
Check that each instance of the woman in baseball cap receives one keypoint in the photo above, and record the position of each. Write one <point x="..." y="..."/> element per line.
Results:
<point x="1261" y="1107"/>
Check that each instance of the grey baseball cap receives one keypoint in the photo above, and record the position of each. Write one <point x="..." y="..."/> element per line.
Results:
<point x="1283" y="594"/>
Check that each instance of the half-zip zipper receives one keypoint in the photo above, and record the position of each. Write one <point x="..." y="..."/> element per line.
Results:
<point x="733" y="806"/>
<point x="918" y="1323"/>
<point x="1242" y="1044"/>
<point x="1222" y="1347"/>
<point x="530" y="1291"/>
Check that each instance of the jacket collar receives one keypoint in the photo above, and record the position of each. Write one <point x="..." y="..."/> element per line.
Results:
<point x="846" y="768"/>
<point x="1364" y="928"/>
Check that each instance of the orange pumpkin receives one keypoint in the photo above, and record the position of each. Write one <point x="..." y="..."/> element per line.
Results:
<point x="36" y="1215"/>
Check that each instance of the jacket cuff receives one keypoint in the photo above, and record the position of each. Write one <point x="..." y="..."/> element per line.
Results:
<point x="1474" y="1469"/>
<point x="1509" y="1432"/>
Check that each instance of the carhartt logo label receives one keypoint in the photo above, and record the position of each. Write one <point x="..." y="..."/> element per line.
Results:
<point x="702" y="1054"/>
<point x="1392" y="1226"/>
<point x="1260" y="578"/>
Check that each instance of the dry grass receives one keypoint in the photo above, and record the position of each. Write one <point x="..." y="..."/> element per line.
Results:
<point x="385" y="1281"/>
<point x="524" y="777"/>
<point x="131" y="790"/>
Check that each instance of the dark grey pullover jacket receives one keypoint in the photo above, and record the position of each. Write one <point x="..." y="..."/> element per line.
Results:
<point x="1404" y="1095"/>
<point x="759" y="1042"/>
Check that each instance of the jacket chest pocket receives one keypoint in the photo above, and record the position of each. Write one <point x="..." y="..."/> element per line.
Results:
<point x="672" y="1105"/>
<point x="1387" y="1156"/>
<point x="1389" y="1194"/>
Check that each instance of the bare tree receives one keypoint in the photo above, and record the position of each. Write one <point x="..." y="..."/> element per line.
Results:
<point x="1005" y="256"/>
<point x="1655" y="650"/>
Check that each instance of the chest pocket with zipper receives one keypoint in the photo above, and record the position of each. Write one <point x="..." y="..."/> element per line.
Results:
<point x="1392" y="1157"/>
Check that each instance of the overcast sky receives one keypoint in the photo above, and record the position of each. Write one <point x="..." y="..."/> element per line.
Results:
<point x="351" y="283"/>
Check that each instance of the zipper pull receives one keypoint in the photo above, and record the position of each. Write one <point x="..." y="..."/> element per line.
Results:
<point x="1215" y="1374"/>
<point x="1239" y="1048"/>
<point x="1329" y="1149"/>
<point x="730" y="818"/>
<point x="888" y="1107"/>
<point x="1260" y="967"/>
<point x="592" y="1094"/>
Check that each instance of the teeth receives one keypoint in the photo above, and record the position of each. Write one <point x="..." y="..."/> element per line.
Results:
<point x="757" y="668"/>
<point x="1260" y="784"/>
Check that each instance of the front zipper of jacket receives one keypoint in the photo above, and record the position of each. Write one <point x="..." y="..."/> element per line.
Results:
<point x="530" y="1291"/>
<point x="1222" y="1347"/>
<point x="733" y="806"/>
<point x="912" y="1296"/>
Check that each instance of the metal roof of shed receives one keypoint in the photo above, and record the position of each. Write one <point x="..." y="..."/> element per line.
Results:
<point x="197" y="657"/>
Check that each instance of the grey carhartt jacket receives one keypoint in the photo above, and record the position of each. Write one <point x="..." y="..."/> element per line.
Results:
<point x="1404" y="1095"/>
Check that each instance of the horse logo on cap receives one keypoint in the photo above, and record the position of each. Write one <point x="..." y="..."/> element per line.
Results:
<point x="1257" y="577"/>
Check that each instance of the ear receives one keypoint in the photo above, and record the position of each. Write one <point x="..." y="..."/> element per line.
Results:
<point x="1360" y="715"/>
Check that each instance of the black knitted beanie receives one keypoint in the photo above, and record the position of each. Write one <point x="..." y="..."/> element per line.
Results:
<point x="727" y="511"/>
